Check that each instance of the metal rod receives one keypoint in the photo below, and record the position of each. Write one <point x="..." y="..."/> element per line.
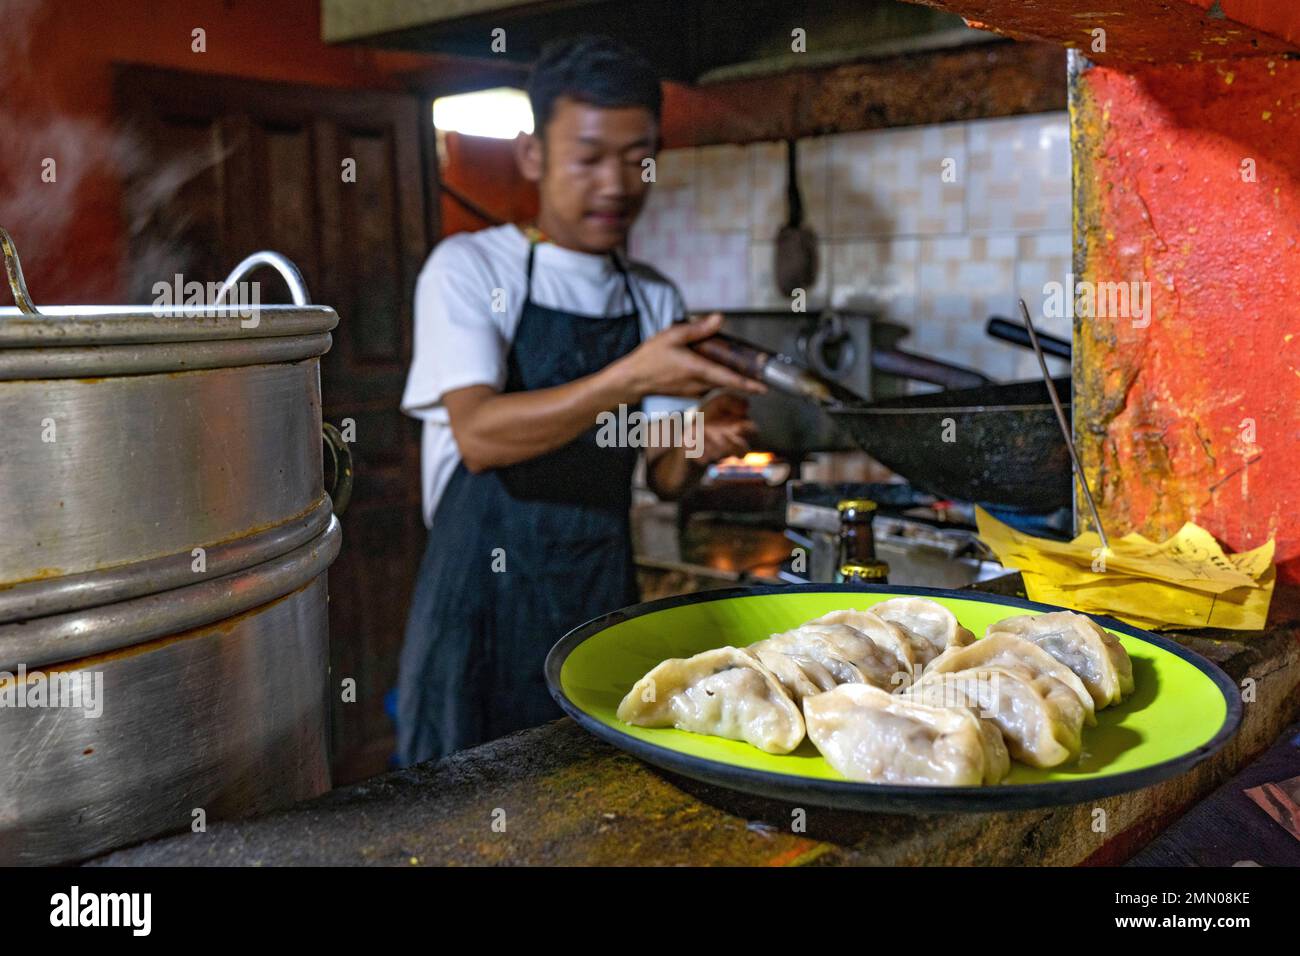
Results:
<point x="1065" y="426"/>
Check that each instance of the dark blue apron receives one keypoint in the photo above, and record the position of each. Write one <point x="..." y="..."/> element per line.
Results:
<point x="518" y="556"/>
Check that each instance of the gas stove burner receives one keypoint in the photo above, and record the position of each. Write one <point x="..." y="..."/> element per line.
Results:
<point x="754" y="466"/>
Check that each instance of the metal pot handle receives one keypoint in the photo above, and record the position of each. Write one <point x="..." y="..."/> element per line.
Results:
<point x="14" y="269"/>
<point x="281" y="264"/>
<point x="338" y="459"/>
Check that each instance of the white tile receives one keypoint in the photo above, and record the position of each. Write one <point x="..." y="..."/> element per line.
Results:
<point x="723" y="189"/>
<point x="892" y="182"/>
<point x="961" y="281"/>
<point x="874" y="275"/>
<point x="714" y="272"/>
<point x="1019" y="173"/>
<point x="675" y="168"/>
<point x="1042" y="258"/>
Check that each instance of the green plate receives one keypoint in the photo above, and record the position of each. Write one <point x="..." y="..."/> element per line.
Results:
<point x="1183" y="710"/>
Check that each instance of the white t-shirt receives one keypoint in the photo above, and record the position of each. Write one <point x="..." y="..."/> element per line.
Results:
<point x="468" y="301"/>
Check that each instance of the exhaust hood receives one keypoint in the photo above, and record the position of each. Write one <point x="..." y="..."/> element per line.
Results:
<point x="694" y="41"/>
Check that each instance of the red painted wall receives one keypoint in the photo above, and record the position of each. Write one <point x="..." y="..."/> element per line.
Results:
<point x="1167" y="411"/>
<point x="56" y="58"/>
<point x="484" y="171"/>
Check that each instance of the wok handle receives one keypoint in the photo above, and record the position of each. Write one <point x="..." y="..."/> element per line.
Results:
<point x="922" y="369"/>
<point x="14" y="270"/>
<point x="1016" y="334"/>
<point x="735" y="355"/>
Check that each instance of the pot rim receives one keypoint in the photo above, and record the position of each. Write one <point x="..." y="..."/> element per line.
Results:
<point x="108" y="361"/>
<point x="101" y="325"/>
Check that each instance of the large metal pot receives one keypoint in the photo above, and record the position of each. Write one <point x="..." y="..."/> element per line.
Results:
<point x="166" y="536"/>
<point x="220" y="719"/>
<point x="135" y="435"/>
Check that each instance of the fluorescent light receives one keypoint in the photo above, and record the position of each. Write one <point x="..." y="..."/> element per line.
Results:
<point x="502" y="113"/>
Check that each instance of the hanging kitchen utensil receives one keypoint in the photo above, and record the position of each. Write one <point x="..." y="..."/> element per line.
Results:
<point x="796" y="244"/>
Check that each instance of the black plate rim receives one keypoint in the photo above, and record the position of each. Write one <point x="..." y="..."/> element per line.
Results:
<point x="854" y="795"/>
<point x="849" y="412"/>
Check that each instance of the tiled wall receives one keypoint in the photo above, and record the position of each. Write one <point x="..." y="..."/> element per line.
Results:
<point x="938" y="257"/>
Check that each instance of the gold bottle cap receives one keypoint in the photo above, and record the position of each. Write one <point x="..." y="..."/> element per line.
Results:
<point x="856" y="504"/>
<point x="868" y="572"/>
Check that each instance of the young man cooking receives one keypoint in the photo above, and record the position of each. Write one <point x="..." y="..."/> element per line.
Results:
<point x="523" y="337"/>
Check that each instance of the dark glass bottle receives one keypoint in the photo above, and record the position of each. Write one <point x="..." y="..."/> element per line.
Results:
<point x="858" y="562"/>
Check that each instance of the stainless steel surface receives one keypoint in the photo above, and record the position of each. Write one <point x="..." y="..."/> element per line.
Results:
<point x="164" y="538"/>
<point x="55" y="595"/>
<point x="106" y="360"/>
<point x="146" y="466"/>
<point x="65" y="326"/>
<point x="230" y="719"/>
<point x="97" y="341"/>
<point x="111" y="627"/>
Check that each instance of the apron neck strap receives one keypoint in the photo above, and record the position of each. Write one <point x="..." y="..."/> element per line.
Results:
<point x="536" y="236"/>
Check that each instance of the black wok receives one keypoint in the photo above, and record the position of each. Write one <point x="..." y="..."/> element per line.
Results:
<point x="994" y="444"/>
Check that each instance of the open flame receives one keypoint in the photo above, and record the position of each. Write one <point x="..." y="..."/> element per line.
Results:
<point x="753" y="459"/>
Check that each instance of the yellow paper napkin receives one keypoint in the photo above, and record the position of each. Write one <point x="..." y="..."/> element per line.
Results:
<point x="1186" y="581"/>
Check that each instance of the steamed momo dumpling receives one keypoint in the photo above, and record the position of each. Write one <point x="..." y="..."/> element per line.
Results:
<point x="1082" y="645"/>
<point x="997" y="759"/>
<point x="884" y="635"/>
<point x="932" y="626"/>
<point x="1041" y="718"/>
<point x="801" y="676"/>
<point x="845" y="653"/>
<point x="724" y="693"/>
<point x="868" y="734"/>
<point x="998" y="649"/>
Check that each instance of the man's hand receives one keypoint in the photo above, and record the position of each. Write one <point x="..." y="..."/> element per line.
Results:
<point x="727" y="431"/>
<point x="493" y="430"/>
<point x="666" y="365"/>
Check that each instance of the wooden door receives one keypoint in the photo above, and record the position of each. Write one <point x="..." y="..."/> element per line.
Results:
<point x="219" y="168"/>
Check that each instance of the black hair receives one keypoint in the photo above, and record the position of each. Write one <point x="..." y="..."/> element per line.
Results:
<point x="596" y="70"/>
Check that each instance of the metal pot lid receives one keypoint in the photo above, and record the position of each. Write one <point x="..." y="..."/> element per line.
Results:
<point x="188" y="327"/>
